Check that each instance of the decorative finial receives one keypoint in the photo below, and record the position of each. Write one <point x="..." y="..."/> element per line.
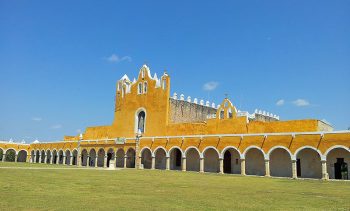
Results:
<point x="226" y="96"/>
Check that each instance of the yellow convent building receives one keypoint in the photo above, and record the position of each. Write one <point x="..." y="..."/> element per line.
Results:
<point x="154" y="130"/>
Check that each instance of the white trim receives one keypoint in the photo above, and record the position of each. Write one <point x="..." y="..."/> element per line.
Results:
<point x="254" y="147"/>
<point x="228" y="148"/>
<point x="143" y="149"/>
<point x="175" y="147"/>
<point x="191" y="147"/>
<point x="335" y="147"/>
<point x="211" y="147"/>
<point x="157" y="148"/>
<point x="137" y="118"/>
<point x="309" y="147"/>
<point x="268" y="154"/>
<point x="10" y="149"/>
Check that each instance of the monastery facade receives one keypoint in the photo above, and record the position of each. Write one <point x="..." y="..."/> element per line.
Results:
<point x="154" y="130"/>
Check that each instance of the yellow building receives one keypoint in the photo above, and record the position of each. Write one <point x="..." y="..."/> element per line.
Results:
<point x="152" y="129"/>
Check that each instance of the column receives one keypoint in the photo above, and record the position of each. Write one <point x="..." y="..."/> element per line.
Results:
<point x="79" y="163"/>
<point x="39" y="161"/>
<point x="88" y="160"/>
<point x="31" y="159"/>
<point x="28" y="159"/>
<point x="115" y="161"/>
<point x="96" y="158"/>
<point x="153" y="162"/>
<point x="16" y="158"/>
<point x="71" y="160"/>
<point x="51" y="158"/>
<point x="267" y="168"/>
<point x="201" y="165"/>
<point x="294" y="169"/>
<point x="242" y="166"/>
<point x="64" y="159"/>
<point x="324" y="170"/>
<point x="221" y="163"/>
<point x="125" y="159"/>
<point x="183" y="166"/>
<point x="105" y="162"/>
<point x="3" y="157"/>
<point x="167" y="166"/>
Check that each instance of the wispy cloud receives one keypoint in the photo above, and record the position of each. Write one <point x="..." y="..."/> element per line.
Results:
<point x="210" y="86"/>
<point x="37" y="119"/>
<point x="301" y="102"/>
<point x="78" y="130"/>
<point x="280" y="102"/>
<point x="57" y="126"/>
<point x="114" y="58"/>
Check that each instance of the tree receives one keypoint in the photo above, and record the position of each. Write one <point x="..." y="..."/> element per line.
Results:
<point x="10" y="156"/>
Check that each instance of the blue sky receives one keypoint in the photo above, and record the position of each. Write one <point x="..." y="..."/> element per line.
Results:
<point x="59" y="61"/>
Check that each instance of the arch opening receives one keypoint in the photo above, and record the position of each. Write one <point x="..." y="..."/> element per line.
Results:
<point x="232" y="162"/>
<point x="92" y="157"/>
<point x="110" y="156"/>
<point x="309" y="164"/>
<point x="211" y="161"/>
<point x="101" y="157"/>
<point x="192" y="160"/>
<point x="22" y="156"/>
<point x="120" y="158"/>
<point x="10" y="155"/>
<point x="255" y="162"/>
<point x="146" y="158"/>
<point x="68" y="158"/>
<point x="160" y="158"/>
<point x="175" y="159"/>
<point x="130" y="158"/>
<point x="84" y="157"/>
<point x="338" y="161"/>
<point x="280" y="163"/>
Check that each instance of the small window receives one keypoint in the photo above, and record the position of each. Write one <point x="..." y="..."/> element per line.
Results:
<point x="145" y="87"/>
<point x="222" y="114"/>
<point x="143" y="74"/>
<point x="139" y="89"/>
<point x="141" y="121"/>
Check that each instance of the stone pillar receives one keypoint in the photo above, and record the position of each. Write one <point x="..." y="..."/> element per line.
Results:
<point x="267" y="168"/>
<point x="51" y="158"/>
<point x="324" y="170"/>
<point x="243" y="167"/>
<point x="31" y="159"/>
<point x="183" y="166"/>
<point x="201" y="165"/>
<point x="16" y="158"/>
<point x="153" y="162"/>
<point x="105" y="162"/>
<point x="294" y="169"/>
<point x="28" y="159"/>
<point x="125" y="159"/>
<point x="3" y="157"/>
<point x="64" y="160"/>
<point x="71" y="160"/>
<point x="88" y="161"/>
<point x="221" y="164"/>
<point x="79" y="163"/>
<point x="96" y="159"/>
<point x="39" y="161"/>
<point x="115" y="161"/>
<point x="167" y="161"/>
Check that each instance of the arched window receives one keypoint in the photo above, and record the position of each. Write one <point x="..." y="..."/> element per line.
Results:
<point x="222" y="114"/>
<point x="141" y="118"/>
<point x="145" y="87"/>
<point x="139" y="90"/>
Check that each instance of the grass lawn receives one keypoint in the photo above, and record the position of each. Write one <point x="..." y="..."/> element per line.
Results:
<point x="77" y="189"/>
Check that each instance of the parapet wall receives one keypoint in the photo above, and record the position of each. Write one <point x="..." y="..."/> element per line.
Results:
<point x="184" y="112"/>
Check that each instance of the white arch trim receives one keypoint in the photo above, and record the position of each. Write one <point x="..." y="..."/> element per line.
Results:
<point x="309" y="147"/>
<point x="280" y="147"/>
<point x="254" y="147"/>
<point x="175" y="147"/>
<point x="63" y="152"/>
<point x="335" y="147"/>
<point x="160" y="147"/>
<point x="230" y="147"/>
<point x="143" y="149"/>
<point x="136" y="119"/>
<point x="195" y="148"/>
<point x="211" y="147"/>
<point x="10" y="149"/>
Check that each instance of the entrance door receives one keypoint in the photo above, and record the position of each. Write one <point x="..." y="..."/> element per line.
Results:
<point x="340" y="169"/>
<point x="227" y="162"/>
<point x="298" y="168"/>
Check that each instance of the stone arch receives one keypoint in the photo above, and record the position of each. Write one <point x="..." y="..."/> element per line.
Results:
<point x="54" y="156"/>
<point x="92" y="157"/>
<point x="101" y="157"/>
<point x="10" y="155"/>
<point x="130" y="158"/>
<point x="84" y="157"/>
<point x="211" y="159"/>
<point x="192" y="159"/>
<point x="232" y="160"/>
<point x="254" y="161"/>
<point x="48" y="156"/>
<point x="110" y="157"/>
<point x="280" y="159"/>
<point x="309" y="162"/>
<point x="68" y="157"/>
<point x="22" y="156"/>
<point x="146" y="158"/>
<point x="338" y="162"/>
<point x="43" y="156"/>
<point x="120" y="158"/>
<point x="160" y="155"/>
<point x="74" y="157"/>
<point x="175" y="154"/>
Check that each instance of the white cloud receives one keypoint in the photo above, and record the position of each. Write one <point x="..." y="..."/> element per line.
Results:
<point x="78" y="130"/>
<point x="38" y="119"/>
<point x="210" y="86"/>
<point x="301" y="102"/>
<point x="114" y="58"/>
<point x="58" y="126"/>
<point x="280" y="102"/>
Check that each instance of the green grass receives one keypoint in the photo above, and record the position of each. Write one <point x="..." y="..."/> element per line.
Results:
<point x="76" y="189"/>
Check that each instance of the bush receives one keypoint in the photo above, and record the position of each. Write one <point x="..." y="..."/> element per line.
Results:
<point x="10" y="156"/>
